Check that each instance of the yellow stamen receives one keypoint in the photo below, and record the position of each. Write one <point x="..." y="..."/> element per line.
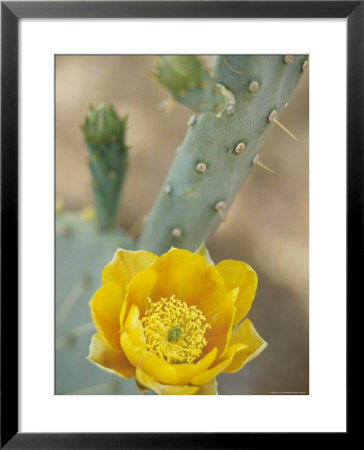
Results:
<point x="175" y="331"/>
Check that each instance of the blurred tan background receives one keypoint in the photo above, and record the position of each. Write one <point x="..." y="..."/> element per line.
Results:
<point x="267" y="225"/>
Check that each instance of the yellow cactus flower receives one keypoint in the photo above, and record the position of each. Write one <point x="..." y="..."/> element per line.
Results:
<point x="173" y="322"/>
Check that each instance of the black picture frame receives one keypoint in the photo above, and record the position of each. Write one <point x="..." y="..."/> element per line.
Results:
<point x="11" y="13"/>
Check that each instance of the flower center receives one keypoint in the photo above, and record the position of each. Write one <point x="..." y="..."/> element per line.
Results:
<point x="174" y="334"/>
<point x="175" y="331"/>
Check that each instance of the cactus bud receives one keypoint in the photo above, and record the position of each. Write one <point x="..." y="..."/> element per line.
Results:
<point x="104" y="131"/>
<point x="189" y="83"/>
<point x="103" y="126"/>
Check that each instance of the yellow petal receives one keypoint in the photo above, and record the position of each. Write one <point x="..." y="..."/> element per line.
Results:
<point x="137" y="293"/>
<point x="163" y="389"/>
<point x="109" y="360"/>
<point x="160" y="370"/>
<point x="205" y="253"/>
<point x="239" y="274"/>
<point x="219" y="334"/>
<point x="166" y="267"/>
<point x="179" y="390"/>
<point x="195" y="284"/>
<point x="212" y="372"/>
<point x="209" y="388"/>
<point x="254" y="345"/>
<point x="105" y="311"/>
<point x="125" y="264"/>
<point x="134" y="327"/>
<point x="141" y="388"/>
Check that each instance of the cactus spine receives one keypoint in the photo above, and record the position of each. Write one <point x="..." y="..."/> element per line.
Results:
<point x="219" y="149"/>
<point x="108" y="160"/>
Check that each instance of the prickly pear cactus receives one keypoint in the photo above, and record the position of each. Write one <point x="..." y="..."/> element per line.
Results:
<point x="108" y="160"/>
<point x="235" y="107"/>
<point x="220" y="149"/>
<point x="81" y="253"/>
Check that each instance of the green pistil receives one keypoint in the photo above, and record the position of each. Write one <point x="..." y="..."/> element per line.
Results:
<point x="174" y="334"/>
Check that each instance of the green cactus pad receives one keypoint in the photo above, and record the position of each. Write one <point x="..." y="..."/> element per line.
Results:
<point x="81" y="253"/>
<point x="218" y="151"/>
